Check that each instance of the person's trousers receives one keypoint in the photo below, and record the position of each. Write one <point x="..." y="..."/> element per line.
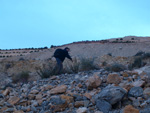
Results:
<point x="59" y="66"/>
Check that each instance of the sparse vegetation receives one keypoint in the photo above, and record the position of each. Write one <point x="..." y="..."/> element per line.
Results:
<point x="21" y="77"/>
<point x="137" y="63"/>
<point x="87" y="64"/>
<point x="139" y="60"/>
<point x="46" y="71"/>
<point x="75" y="66"/>
<point x="115" y="67"/>
<point x="140" y="53"/>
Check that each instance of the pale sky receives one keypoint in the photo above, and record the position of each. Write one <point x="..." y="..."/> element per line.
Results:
<point x="40" y="23"/>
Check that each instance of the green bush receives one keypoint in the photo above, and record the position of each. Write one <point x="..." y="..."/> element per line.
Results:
<point x="115" y="67"/>
<point x="21" y="77"/>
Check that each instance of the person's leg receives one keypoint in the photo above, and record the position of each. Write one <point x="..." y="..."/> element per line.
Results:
<point x="59" y="66"/>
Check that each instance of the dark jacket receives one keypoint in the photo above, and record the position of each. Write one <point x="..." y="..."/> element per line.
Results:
<point x="62" y="54"/>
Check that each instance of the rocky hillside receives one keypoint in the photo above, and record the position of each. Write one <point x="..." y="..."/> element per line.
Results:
<point x="97" y="91"/>
<point x="96" y="49"/>
<point x="103" y="78"/>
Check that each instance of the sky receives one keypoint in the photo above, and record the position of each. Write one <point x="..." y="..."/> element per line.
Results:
<point x="40" y="23"/>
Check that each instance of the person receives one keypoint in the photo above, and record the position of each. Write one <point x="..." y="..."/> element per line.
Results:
<point x="60" y="55"/>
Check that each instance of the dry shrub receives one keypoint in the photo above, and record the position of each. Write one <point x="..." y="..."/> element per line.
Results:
<point x="87" y="64"/>
<point x="21" y="77"/>
<point x="115" y="67"/>
<point x="83" y="64"/>
<point x="46" y="71"/>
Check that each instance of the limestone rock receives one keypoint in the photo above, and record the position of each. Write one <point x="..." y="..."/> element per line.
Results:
<point x="130" y="109"/>
<point x="138" y="83"/>
<point x="58" y="104"/>
<point x="82" y="110"/>
<point x="6" y="92"/>
<point x="58" y="89"/>
<point x="14" y="100"/>
<point x="34" y="92"/>
<point x="113" y="78"/>
<point x="147" y="91"/>
<point x="79" y="104"/>
<point x="69" y="99"/>
<point x="93" y="82"/>
<point x="126" y="85"/>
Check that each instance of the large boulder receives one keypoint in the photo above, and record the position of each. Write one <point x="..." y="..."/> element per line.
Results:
<point x="111" y="94"/>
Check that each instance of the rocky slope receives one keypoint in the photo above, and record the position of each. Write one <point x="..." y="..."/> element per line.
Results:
<point x="97" y="91"/>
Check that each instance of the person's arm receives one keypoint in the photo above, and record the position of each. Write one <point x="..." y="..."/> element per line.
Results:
<point x="69" y="57"/>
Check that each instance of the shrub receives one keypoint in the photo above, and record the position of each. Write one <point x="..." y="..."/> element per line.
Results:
<point x="115" y="67"/>
<point x="87" y="64"/>
<point x="75" y="67"/>
<point x="21" y="77"/>
<point x="146" y="55"/>
<point x="140" y="53"/>
<point x="104" y="63"/>
<point x="46" y="72"/>
<point x="137" y="63"/>
<point x="109" y="54"/>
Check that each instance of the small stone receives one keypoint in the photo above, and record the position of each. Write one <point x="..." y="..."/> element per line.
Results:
<point x="138" y="83"/>
<point x="9" y="110"/>
<point x="80" y="85"/>
<point x="19" y="111"/>
<point x="82" y="110"/>
<point x="93" y="82"/>
<point x="58" y="104"/>
<point x="34" y="103"/>
<point x="34" y="92"/>
<point x="87" y="95"/>
<point x="136" y="92"/>
<point x="14" y="100"/>
<point x="113" y="78"/>
<point x="130" y="109"/>
<point x="103" y="106"/>
<point x="126" y="85"/>
<point x="48" y="87"/>
<point x="38" y="97"/>
<point x="6" y="92"/>
<point x="125" y="74"/>
<point x="53" y="77"/>
<point x="69" y="99"/>
<point x="58" y="89"/>
<point x="143" y="104"/>
<point x="79" y="104"/>
<point x="31" y="96"/>
<point x="98" y="112"/>
<point x="147" y="91"/>
<point x="136" y="103"/>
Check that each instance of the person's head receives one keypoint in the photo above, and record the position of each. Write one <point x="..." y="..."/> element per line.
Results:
<point x="67" y="49"/>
